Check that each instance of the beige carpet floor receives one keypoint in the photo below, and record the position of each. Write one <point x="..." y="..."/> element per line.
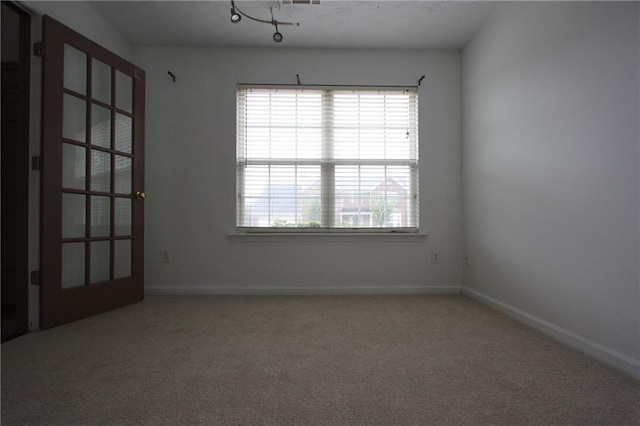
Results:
<point x="344" y="360"/>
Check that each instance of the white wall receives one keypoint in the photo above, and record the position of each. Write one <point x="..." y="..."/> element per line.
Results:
<point x="551" y="181"/>
<point x="190" y="172"/>
<point x="82" y="18"/>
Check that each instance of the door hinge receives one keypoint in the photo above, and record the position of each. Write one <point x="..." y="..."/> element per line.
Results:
<point x="36" y="162"/>
<point x="38" y="49"/>
<point x="35" y="277"/>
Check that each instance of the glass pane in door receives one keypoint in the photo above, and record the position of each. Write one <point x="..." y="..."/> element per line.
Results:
<point x="100" y="216"/>
<point x="124" y="133"/>
<point x="100" y="261"/>
<point x="100" y="126"/>
<point x="73" y="215"/>
<point x="74" y="161"/>
<point x="75" y="70"/>
<point x="72" y="265"/>
<point x="122" y="260"/>
<point x="123" y="174"/>
<point x="74" y="117"/>
<point x="100" y="81"/>
<point x="122" y="213"/>
<point x="100" y="171"/>
<point x="124" y="92"/>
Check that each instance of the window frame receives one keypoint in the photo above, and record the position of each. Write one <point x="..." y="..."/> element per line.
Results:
<point x="328" y="164"/>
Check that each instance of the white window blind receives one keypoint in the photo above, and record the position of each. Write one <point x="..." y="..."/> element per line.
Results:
<point x="316" y="158"/>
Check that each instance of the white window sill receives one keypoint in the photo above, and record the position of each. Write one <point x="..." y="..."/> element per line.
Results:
<point x="268" y="237"/>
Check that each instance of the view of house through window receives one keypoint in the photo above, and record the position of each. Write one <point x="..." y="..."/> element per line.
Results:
<point x="327" y="158"/>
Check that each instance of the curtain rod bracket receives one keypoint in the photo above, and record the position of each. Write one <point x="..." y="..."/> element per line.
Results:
<point x="420" y="80"/>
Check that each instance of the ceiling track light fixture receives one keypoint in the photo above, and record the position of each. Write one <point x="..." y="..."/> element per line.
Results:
<point x="237" y="14"/>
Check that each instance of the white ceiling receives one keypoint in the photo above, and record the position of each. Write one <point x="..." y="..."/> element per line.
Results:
<point x="388" y="24"/>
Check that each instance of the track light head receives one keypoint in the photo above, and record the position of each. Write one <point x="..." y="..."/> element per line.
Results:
<point x="235" y="16"/>
<point x="277" y="37"/>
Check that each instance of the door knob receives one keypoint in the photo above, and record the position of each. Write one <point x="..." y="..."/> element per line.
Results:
<point x="141" y="195"/>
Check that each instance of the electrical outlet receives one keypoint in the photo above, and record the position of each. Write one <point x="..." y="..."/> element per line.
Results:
<point x="164" y="256"/>
<point x="467" y="260"/>
<point x="435" y="257"/>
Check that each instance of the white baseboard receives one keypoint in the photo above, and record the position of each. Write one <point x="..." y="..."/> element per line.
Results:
<point x="602" y="353"/>
<point x="280" y="291"/>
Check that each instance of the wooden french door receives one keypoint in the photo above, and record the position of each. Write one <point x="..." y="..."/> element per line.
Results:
<point x="92" y="178"/>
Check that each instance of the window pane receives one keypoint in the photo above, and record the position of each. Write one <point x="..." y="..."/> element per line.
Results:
<point x="373" y="125"/>
<point x="281" y="196"/>
<point x="283" y="124"/>
<point x="374" y="196"/>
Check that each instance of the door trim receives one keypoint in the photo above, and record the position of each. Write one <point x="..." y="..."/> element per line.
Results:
<point x="23" y="178"/>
